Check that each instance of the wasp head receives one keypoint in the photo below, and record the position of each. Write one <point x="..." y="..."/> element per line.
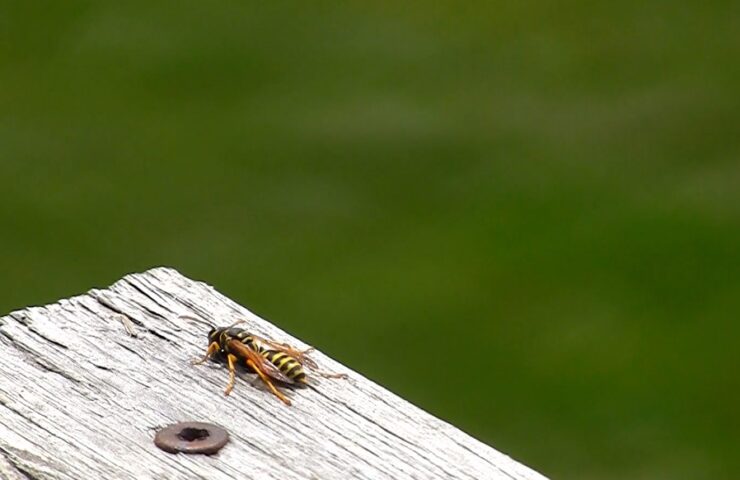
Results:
<point x="213" y="335"/>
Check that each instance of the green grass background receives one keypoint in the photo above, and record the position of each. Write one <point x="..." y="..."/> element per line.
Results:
<point x="524" y="217"/>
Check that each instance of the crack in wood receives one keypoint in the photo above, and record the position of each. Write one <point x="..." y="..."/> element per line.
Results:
<point x="57" y="343"/>
<point x="38" y="359"/>
<point x="11" y="470"/>
<point x="105" y="301"/>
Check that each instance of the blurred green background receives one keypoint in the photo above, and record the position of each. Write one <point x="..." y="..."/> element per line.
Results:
<point x="522" y="216"/>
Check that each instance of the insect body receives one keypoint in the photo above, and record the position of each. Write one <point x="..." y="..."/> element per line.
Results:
<point x="270" y="360"/>
<point x="278" y="355"/>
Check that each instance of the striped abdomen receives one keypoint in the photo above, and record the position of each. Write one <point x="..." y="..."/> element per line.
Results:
<point x="289" y="366"/>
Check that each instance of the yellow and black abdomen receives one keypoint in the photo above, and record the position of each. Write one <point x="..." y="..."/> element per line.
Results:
<point x="289" y="366"/>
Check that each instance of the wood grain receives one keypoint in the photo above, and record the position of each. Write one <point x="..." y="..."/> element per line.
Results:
<point x="86" y="382"/>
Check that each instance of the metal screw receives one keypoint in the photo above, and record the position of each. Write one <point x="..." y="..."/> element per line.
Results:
<point x="191" y="437"/>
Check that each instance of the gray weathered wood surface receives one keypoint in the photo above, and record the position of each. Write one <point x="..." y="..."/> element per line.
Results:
<point x="86" y="382"/>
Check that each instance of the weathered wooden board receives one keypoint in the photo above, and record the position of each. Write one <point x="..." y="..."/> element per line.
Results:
<point x="86" y="382"/>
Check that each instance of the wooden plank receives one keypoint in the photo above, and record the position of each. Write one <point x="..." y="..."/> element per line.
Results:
<point x="86" y="382"/>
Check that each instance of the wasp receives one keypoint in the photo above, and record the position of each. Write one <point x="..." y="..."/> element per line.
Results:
<point x="268" y="359"/>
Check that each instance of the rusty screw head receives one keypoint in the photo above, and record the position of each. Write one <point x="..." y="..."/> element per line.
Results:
<point x="191" y="437"/>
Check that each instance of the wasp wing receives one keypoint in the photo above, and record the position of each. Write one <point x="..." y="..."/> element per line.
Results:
<point x="266" y="367"/>
<point x="300" y="356"/>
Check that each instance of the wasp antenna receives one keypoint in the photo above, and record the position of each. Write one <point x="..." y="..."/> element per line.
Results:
<point x="237" y="323"/>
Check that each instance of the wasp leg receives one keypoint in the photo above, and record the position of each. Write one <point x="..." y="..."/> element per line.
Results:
<point x="232" y="373"/>
<point x="332" y="374"/>
<point x="300" y="355"/>
<point x="291" y="350"/>
<point x="267" y="381"/>
<point x="212" y="348"/>
<point x="303" y="359"/>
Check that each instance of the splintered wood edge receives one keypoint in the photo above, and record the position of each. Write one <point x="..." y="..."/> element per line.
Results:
<point x="86" y="382"/>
